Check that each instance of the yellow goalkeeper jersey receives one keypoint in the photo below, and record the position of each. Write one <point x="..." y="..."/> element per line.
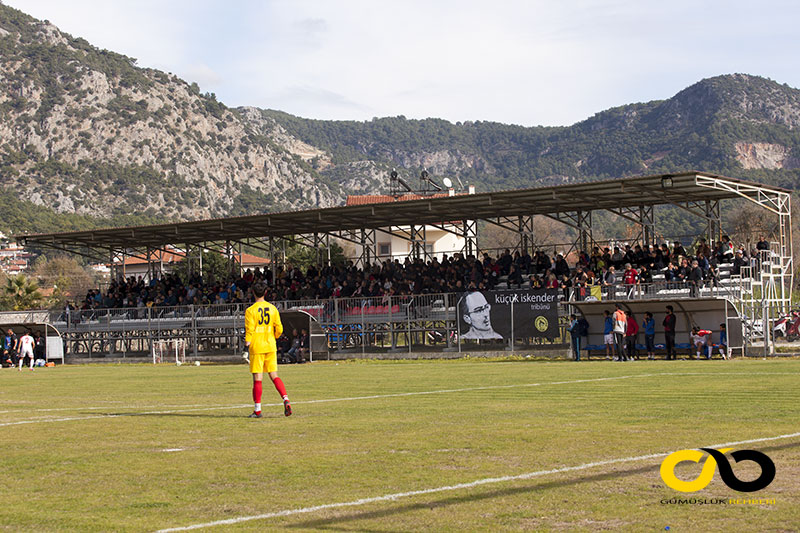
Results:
<point x="262" y="325"/>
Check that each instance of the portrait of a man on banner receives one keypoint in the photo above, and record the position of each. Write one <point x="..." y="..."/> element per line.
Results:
<point x="477" y="316"/>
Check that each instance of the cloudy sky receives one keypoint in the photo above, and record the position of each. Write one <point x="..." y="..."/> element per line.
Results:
<point x="531" y="62"/>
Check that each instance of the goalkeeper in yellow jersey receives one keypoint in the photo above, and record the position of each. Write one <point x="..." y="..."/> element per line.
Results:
<point x="262" y="325"/>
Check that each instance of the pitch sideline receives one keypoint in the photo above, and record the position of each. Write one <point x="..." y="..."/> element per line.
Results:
<point x="447" y="488"/>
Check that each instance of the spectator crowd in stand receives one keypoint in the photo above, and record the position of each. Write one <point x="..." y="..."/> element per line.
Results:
<point x="616" y="266"/>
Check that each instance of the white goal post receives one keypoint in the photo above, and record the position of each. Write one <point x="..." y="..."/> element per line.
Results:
<point x="169" y="348"/>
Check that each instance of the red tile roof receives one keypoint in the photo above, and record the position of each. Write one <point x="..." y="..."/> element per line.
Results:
<point x="249" y="259"/>
<point x="387" y="198"/>
<point x="170" y="257"/>
<point x="156" y="256"/>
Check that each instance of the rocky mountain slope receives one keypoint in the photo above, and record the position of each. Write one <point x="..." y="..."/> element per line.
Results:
<point x="86" y="132"/>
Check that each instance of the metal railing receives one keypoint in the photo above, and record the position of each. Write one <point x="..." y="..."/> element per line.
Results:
<point x="400" y="323"/>
<point x="123" y="331"/>
<point x="727" y="288"/>
<point x="394" y="323"/>
<point x="132" y="314"/>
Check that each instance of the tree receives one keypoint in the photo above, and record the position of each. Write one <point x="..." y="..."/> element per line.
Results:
<point x="215" y="266"/>
<point x="749" y="222"/>
<point x="546" y="232"/>
<point x="492" y="237"/>
<point x="66" y="276"/>
<point x="303" y="257"/>
<point x="21" y="294"/>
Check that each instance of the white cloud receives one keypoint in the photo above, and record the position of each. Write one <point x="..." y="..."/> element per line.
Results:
<point x="315" y="97"/>
<point x="206" y="77"/>
<point x="527" y="62"/>
<point x="144" y="30"/>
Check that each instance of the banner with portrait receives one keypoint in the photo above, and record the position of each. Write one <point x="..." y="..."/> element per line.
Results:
<point x="488" y="314"/>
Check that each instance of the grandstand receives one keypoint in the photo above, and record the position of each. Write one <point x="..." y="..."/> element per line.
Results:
<point x="749" y="295"/>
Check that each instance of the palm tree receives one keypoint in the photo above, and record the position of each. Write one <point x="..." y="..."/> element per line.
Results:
<point x="21" y="293"/>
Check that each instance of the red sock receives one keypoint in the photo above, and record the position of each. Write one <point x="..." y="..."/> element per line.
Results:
<point x="257" y="392"/>
<point x="279" y="387"/>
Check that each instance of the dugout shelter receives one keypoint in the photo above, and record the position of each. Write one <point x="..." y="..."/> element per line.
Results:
<point x="35" y="322"/>
<point x="706" y="313"/>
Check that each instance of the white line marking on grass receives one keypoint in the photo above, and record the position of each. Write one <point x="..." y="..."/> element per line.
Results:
<point x="471" y="484"/>
<point x="116" y="406"/>
<point x="172" y="449"/>
<point x="119" y="415"/>
<point x="324" y="400"/>
<point x="95" y="408"/>
<point x="379" y="396"/>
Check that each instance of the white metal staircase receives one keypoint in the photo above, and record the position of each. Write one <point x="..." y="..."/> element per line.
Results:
<point x="764" y="292"/>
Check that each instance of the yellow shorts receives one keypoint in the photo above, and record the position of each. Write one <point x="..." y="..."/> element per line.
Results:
<point x="263" y="362"/>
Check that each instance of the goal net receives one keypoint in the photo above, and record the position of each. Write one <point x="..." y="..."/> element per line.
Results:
<point x="168" y="350"/>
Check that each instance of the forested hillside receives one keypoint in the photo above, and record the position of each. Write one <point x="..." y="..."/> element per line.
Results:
<point x="87" y="132"/>
<point x="736" y="125"/>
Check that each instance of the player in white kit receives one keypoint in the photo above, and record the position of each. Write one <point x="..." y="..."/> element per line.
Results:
<point x="26" y="349"/>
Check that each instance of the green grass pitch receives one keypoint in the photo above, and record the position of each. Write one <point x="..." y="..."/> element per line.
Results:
<point x="144" y="448"/>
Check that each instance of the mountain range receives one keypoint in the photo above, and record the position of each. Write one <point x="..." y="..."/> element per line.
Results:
<point x="88" y="138"/>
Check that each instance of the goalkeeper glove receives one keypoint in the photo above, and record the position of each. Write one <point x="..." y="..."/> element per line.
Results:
<point x="246" y="356"/>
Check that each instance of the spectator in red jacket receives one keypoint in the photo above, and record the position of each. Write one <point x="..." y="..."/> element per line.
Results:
<point x="630" y="276"/>
<point x="630" y="336"/>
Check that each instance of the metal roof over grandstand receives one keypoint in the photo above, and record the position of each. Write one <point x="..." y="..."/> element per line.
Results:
<point x="618" y="193"/>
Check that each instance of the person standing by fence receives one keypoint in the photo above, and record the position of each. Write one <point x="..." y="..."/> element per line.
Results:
<point x="631" y="332"/>
<point x="620" y="328"/>
<point x="669" y="332"/>
<point x="608" y="333"/>
<point x="575" y="334"/>
<point x="649" y="327"/>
